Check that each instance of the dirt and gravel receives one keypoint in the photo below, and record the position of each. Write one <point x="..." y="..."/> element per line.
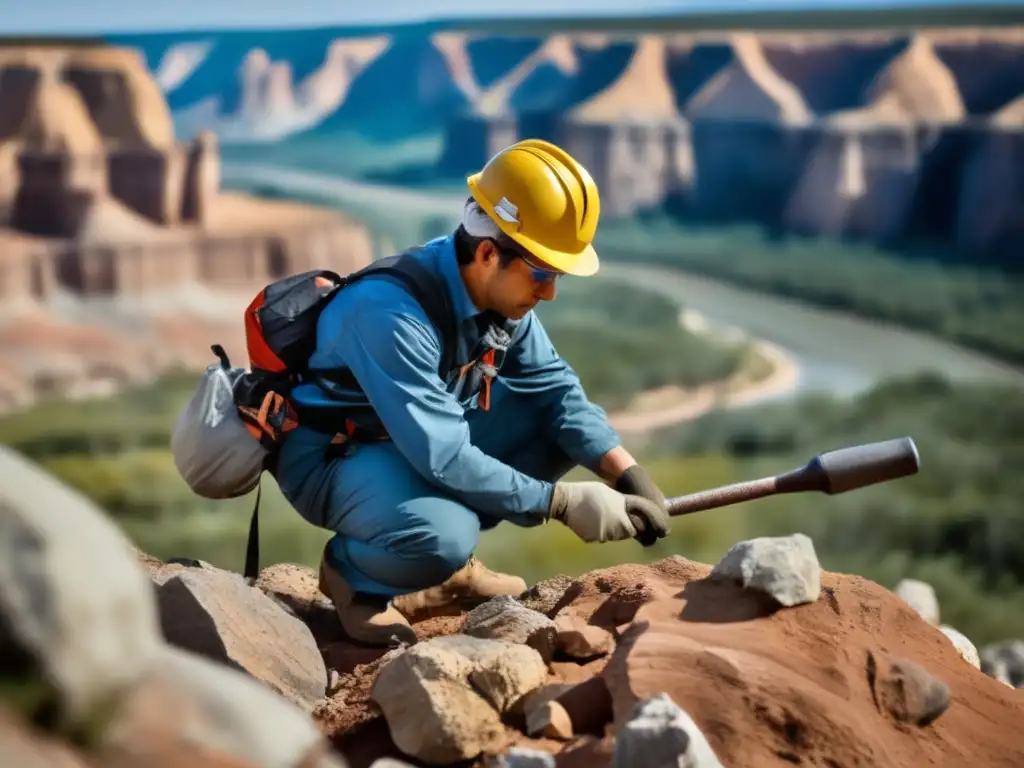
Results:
<point x="855" y="678"/>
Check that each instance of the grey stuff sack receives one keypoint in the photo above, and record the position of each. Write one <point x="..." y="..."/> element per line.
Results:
<point x="213" y="451"/>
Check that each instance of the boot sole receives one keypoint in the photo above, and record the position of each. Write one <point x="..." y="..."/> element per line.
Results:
<point x="454" y="607"/>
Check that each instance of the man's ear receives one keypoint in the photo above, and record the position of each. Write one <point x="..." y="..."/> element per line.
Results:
<point x="485" y="252"/>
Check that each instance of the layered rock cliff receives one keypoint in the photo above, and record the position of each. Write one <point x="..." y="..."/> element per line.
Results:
<point x="876" y="136"/>
<point x="868" y="133"/>
<point x="112" y="230"/>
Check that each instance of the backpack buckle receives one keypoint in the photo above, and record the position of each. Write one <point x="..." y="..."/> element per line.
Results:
<point x="271" y="421"/>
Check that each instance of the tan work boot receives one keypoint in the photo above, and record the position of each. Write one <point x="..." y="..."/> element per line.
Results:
<point x="365" y="618"/>
<point x="471" y="585"/>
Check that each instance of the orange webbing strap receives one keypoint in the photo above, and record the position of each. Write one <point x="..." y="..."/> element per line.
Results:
<point x="274" y="417"/>
<point x="485" y="393"/>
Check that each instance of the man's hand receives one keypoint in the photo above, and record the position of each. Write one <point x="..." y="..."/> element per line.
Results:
<point x="638" y="482"/>
<point x="596" y="512"/>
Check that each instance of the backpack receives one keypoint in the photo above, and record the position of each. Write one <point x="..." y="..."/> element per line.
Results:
<point x="229" y="431"/>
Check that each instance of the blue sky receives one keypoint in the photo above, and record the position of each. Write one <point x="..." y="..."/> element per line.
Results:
<point x="97" y="16"/>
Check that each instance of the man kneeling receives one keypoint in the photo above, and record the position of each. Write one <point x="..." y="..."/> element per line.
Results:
<point x="491" y="443"/>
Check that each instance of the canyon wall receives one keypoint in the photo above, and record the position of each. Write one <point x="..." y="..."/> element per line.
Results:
<point x="882" y="134"/>
<point x="875" y="136"/>
<point x="84" y="123"/>
<point x="41" y="271"/>
<point x="120" y="256"/>
<point x="98" y="197"/>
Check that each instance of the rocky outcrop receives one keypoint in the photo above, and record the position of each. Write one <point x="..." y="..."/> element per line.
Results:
<point x="218" y="615"/>
<point x="762" y="660"/>
<point x="88" y="676"/>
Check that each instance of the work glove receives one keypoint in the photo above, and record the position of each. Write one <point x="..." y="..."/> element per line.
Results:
<point x="595" y="512"/>
<point x="636" y="481"/>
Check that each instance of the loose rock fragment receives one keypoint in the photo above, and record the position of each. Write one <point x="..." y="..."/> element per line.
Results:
<point x="1005" y="662"/>
<point x="784" y="567"/>
<point x="911" y="694"/>
<point x="294" y="586"/>
<point x="963" y="645"/>
<point x="549" y="720"/>
<point x="659" y="733"/>
<point x="442" y="697"/>
<point x="579" y="640"/>
<point x="920" y="596"/>
<point x="78" y="616"/>
<point x="186" y="701"/>
<point x="547" y="596"/>
<point x="540" y="695"/>
<point x="505" y="618"/>
<point x="217" y="614"/>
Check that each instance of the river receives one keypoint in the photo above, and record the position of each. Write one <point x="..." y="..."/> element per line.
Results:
<point x="836" y="352"/>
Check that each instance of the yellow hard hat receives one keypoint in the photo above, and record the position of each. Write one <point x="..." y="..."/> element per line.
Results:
<point x="543" y="200"/>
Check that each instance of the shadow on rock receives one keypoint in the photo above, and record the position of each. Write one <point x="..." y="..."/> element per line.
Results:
<point x="721" y="602"/>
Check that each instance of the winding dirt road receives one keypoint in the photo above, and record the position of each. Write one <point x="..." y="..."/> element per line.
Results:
<point x="739" y="390"/>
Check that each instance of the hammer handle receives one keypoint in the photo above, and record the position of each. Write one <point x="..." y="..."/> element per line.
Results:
<point x="712" y="498"/>
<point x="723" y="496"/>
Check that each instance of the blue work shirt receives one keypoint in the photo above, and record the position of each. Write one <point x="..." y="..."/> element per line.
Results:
<point x="383" y="335"/>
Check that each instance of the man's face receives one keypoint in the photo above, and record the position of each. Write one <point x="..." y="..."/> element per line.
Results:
<point x="516" y="288"/>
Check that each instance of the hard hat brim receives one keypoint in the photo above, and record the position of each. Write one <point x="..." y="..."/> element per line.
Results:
<point x="582" y="264"/>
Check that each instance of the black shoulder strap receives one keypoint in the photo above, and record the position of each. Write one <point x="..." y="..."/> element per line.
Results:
<point x="430" y="292"/>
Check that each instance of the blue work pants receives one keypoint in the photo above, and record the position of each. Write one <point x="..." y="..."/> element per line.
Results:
<point x="394" y="531"/>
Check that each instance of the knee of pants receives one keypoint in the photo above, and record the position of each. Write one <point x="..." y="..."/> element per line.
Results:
<point x="411" y="559"/>
<point x="444" y="550"/>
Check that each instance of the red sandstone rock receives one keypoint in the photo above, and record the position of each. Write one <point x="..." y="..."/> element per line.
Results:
<point x="580" y="640"/>
<point x="766" y="686"/>
<point x="217" y="614"/>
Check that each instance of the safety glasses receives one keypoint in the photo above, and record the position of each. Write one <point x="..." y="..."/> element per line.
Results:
<point x="538" y="273"/>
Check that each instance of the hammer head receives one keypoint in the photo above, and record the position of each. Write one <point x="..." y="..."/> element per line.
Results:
<point x="846" y="469"/>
